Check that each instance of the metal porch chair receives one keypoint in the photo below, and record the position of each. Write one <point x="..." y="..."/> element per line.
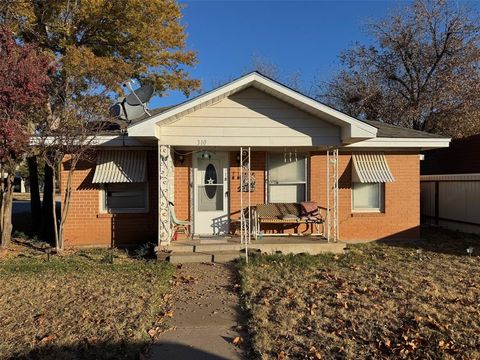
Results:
<point x="179" y="224"/>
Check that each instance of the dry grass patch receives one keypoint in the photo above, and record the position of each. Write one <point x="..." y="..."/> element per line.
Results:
<point x="79" y="305"/>
<point x="379" y="301"/>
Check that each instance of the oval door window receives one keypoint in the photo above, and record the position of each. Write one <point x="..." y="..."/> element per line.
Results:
<point x="210" y="179"/>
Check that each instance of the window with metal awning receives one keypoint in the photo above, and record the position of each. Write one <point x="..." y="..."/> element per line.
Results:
<point x="369" y="174"/>
<point x="371" y="167"/>
<point x="116" y="166"/>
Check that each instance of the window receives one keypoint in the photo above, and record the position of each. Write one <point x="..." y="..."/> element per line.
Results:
<point x="125" y="198"/>
<point x="368" y="196"/>
<point x="210" y="194"/>
<point x="287" y="178"/>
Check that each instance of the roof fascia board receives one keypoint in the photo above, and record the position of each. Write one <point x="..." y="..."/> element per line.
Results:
<point x="102" y="140"/>
<point x="420" y="143"/>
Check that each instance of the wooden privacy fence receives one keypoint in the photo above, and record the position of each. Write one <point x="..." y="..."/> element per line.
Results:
<point x="451" y="200"/>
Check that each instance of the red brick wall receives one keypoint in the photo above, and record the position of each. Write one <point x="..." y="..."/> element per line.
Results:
<point x="86" y="226"/>
<point x="257" y="166"/>
<point x="182" y="187"/>
<point x="401" y="216"/>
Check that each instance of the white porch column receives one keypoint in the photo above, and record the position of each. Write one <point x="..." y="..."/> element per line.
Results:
<point x="165" y="172"/>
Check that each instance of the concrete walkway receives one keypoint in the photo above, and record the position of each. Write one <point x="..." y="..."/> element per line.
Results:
<point x="206" y="315"/>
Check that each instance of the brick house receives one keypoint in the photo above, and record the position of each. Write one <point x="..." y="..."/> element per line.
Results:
<point x="190" y="155"/>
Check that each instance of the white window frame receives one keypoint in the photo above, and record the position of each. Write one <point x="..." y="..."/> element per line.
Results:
<point x="105" y="210"/>
<point x="381" y="200"/>
<point x="305" y="182"/>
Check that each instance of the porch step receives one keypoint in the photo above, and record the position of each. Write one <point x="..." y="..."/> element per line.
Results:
<point x="195" y="257"/>
<point x="218" y="247"/>
<point x="195" y="253"/>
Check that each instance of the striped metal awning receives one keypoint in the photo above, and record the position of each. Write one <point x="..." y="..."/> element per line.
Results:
<point x="120" y="167"/>
<point x="371" y="167"/>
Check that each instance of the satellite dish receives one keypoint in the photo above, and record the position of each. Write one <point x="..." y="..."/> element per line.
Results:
<point x="140" y="96"/>
<point x="133" y="112"/>
<point x="134" y="106"/>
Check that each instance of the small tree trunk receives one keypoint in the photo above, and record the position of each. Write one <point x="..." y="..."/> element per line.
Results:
<point x="48" y="204"/>
<point x="35" y="203"/>
<point x="66" y="201"/>
<point x="58" y="245"/>
<point x="6" y="213"/>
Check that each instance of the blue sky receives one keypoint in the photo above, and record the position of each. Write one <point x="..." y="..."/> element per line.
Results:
<point x="304" y="36"/>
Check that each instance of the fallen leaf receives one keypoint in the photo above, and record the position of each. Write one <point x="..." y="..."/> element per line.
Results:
<point x="281" y="355"/>
<point x="237" y="340"/>
<point x="47" y="339"/>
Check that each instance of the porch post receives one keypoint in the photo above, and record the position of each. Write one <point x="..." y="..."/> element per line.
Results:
<point x="165" y="168"/>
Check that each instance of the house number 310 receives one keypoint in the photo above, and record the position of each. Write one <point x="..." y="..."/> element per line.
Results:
<point x="201" y="142"/>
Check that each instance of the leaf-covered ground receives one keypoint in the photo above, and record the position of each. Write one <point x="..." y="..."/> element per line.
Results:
<point x="79" y="306"/>
<point x="382" y="300"/>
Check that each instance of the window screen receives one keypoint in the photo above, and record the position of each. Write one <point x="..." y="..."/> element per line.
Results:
<point x="367" y="196"/>
<point x="287" y="179"/>
<point x="125" y="196"/>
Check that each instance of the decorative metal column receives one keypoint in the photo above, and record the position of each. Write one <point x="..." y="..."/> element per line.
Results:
<point x="165" y="171"/>
<point x="332" y="194"/>
<point x="246" y="221"/>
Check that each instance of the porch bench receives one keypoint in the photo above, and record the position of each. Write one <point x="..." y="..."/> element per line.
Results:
<point x="279" y="213"/>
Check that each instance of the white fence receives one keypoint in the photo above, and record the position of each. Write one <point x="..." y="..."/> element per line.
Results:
<point x="451" y="200"/>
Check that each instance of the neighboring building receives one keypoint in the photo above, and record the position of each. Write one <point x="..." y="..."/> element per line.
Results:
<point x="190" y="155"/>
<point x="450" y="185"/>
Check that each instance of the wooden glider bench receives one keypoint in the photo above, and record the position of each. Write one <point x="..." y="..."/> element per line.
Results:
<point x="287" y="214"/>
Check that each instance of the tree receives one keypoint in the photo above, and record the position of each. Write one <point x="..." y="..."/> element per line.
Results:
<point x="66" y="138"/>
<point x="101" y="43"/>
<point x="23" y="80"/>
<point x="422" y="72"/>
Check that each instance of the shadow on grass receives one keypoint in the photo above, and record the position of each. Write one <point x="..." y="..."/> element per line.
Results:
<point x="124" y="350"/>
<point x="174" y="351"/>
<point x="440" y="240"/>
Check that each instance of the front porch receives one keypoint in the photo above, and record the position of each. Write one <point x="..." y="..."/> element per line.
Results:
<point x="223" y="249"/>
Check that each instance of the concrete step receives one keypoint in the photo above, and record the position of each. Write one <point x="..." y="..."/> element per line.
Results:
<point x="182" y="248"/>
<point x="191" y="257"/>
<point x="195" y="257"/>
<point x="218" y="247"/>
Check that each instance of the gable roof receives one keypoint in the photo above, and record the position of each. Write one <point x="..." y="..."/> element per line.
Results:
<point x="351" y="129"/>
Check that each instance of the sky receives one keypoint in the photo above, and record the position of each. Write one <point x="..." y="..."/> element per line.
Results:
<point x="297" y="36"/>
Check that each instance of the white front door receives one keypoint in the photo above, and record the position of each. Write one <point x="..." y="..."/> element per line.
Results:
<point x="210" y="194"/>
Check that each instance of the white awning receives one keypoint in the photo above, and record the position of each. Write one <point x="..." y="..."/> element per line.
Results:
<point x="120" y="167"/>
<point x="371" y="167"/>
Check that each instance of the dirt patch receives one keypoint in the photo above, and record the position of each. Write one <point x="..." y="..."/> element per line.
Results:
<point x="390" y="300"/>
<point x="79" y="305"/>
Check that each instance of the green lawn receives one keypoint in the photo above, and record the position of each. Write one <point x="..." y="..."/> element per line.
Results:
<point x="379" y="301"/>
<point x="79" y="306"/>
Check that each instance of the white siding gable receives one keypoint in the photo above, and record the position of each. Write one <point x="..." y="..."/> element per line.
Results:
<point x="249" y="118"/>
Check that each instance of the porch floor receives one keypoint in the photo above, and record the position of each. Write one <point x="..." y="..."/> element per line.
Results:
<point x="223" y="249"/>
